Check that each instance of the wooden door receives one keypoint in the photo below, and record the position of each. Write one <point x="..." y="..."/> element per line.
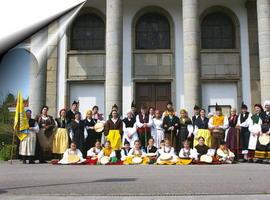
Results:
<point x="153" y="95"/>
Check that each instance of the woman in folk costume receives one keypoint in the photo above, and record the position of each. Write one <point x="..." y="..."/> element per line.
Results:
<point x="151" y="112"/>
<point x="255" y="129"/>
<point x="96" y="115"/>
<point x="72" y="155"/>
<point x="28" y="144"/>
<point x="45" y="135"/>
<point x="201" y="129"/>
<point x="144" y="123"/>
<point x="263" y="144"/>
<point x="92" y="135"/>
<point x="61" y="136"/>
<point x="170" y="126"/>
<point x="125" y="150"/>
<point x="108" y="153"/>
<point x="129" y="129"/>
<point x="185" y="127"/>
<point x="203" y="149"/>
<point x="94" y="151"/>
<point x="218" y="124"/>
<point x="232" y="133"/>
<point x="157" y="131"/>
<point x="167" y="151"/>
<point x="243" y="123"/>
<point x="78" y="132"/>
<point x="113" y="132"/>
<point x="224" y="154"/>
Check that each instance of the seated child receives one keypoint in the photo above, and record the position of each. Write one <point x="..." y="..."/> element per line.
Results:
<point x="137" y="150"/>
<point x="125" y="150"/>
<point x="72" y="155"/>
<point x="188" y="152"/>
<point x="94" y="151"/>
<point x="108" y="152"/>
<point x="150" y="147"/>
<point x="166" y="154"/>
<point x="202" y="148"/>
<point x="224" y="154"/>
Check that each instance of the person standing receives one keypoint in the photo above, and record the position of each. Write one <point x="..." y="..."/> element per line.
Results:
<point x="61" y="137"/>
<point x="185" y="128"/>
<point x="129" y="129"/>
<point x="45" y="135"/>
<point x="28" y="144"/>
<point x="157" y="131"/>
<point x="71" y="113"/>
<point x="144" y="123"/>
<point x="243" y="123"/>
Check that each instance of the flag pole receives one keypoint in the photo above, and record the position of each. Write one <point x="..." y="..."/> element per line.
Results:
<point x="12" y="147"/>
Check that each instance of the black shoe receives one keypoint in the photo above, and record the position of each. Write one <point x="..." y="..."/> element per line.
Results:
<point x="250" y="161"/>
<point x="42" y="162"/>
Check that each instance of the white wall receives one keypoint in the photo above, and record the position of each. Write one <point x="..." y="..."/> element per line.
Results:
<point x="89" y="95"/>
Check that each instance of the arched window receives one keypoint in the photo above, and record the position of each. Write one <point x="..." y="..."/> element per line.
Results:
<point x="152" y="31"/>
<point x="218" y="32"/>
<point x="88" y="33"/>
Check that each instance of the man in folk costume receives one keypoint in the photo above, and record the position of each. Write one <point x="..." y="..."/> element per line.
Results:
<point x="134" y="110"/>
<point x="71" y="113"/>
<point x="255" y="129"/>
<point x="129" y="129"/>
<point x="243" y="123"/>
<point x="28" y="144"/>
<point x="171" y="126"/>
<point x="144" y="123"/>
<point x="232" y="133"/>
<point x="263" y="144"/>
<point x="218" y="124"/>
<point x="113" y="132"/>
<point x="169" y="108"/>
<point x="196" y="113"/>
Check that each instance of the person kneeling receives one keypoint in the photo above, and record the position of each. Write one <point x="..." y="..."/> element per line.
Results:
<point x="107" y="154"/>
<point x="224" y="154"/>
<point x="72" y="155"/>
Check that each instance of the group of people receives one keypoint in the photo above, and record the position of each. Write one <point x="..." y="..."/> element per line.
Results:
<point x="149" y="136"/>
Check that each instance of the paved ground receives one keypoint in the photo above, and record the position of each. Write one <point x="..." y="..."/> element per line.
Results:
<point x="43" y="181"/>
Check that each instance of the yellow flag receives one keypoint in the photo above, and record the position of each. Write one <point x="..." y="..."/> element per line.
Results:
<point x="20" y="122"/>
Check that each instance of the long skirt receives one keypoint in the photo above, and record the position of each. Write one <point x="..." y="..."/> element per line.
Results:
<point x="262" y="151"/>
<point x="44" y="144"/>
<point x="158" y="135"/>
<point x="60" y="141"/>
<point x="28" y="145"/>
<point x="206" y="134"/>
<point x="183" y="135"/>
<point x="232" y="140"/>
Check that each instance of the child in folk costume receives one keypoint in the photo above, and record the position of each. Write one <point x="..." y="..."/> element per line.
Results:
<point x="255" y="129"/>
<point x="137" y="150"/>
<point x="243" y="123"/>
<point x="125" y="150"/>
<point x="171" y="125"/>
<point x="94" y="151"/>
<point x="185" y="127"/>
<point x="45" y="135"/>
<point x="157" y="129"/>
<point x="218" y="124"/>
<point x="224" y="154"/>
<point x="201" y="147"/>
<point x="61" y="137"/>
<point x="129" y="129"/>
<point x="167" y="150"/>
<point x="144" y="124"/>
<point x="232" y="133"/>
<point x="78" y="132"/>
<point x="187" y="152"/>
<point x="151" y="147"/>
<point x="108" y="152"/>
<point x="72" y="155"/>
<point x="201" y="129"/>
<point x="136" y="155"/>
<point x="28" y="144"/>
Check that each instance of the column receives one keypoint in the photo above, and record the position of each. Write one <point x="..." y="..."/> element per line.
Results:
<point x="263" y="14"/>
<point x="113" y="76"/>
<point x="37" y="86"/>
<point x="191" y="54"/>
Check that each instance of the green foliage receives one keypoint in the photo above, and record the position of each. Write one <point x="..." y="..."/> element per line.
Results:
<point x="5" y="152"/>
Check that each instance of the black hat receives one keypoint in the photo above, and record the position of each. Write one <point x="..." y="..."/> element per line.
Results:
<point x="196" y="107"/>
<point x="126" y="142"/>
<point x="222" y="142"/>
<point x="75" y="102"/>
<point x="133" y="104"/>
<point x="218" y="108"/>
<point x="265" y="128"/>
<point x="114" y="106"/>
<point x="243" y="106"/>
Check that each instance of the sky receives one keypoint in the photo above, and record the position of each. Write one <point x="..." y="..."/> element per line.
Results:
<point x="14" y="73"/>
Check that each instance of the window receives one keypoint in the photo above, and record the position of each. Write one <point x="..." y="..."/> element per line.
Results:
<point x="217" y="32"/>
<point x="88" y="33"/>
<point x="152" y="31"/>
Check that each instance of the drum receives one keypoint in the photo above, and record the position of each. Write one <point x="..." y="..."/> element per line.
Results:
<point x="137" y="160"/>
<point x="73" y="159"/>
<point x="264" y="139"/>
<point x="206" y="159"/>
<point x="165" y="157"/>
<point x="99" y="127"/>
<point x="105" y="160"/>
